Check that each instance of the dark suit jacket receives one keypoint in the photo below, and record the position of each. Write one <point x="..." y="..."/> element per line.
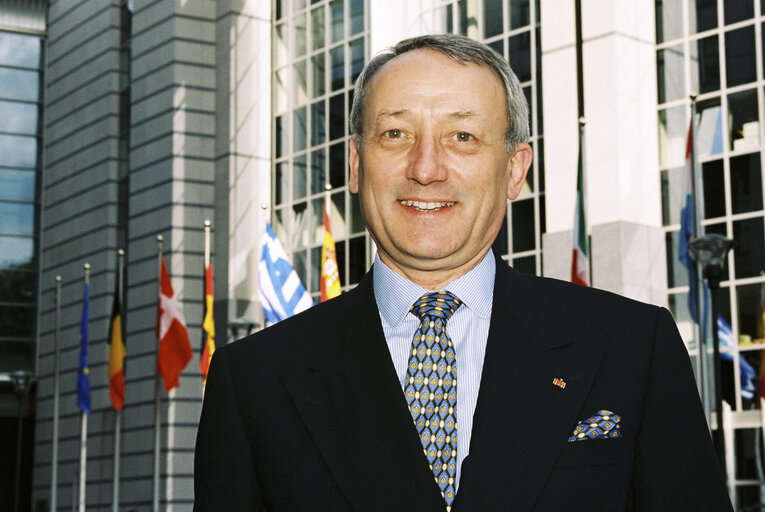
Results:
<point x="309" y="415"/>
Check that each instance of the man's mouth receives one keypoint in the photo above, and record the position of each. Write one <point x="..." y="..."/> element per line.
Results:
<point x="427" y="206"/>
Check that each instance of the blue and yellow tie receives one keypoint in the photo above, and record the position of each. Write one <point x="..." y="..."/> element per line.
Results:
<point x="431" y="387"/>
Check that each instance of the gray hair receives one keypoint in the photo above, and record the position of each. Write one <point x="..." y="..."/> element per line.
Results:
<point x="461" y="49"/>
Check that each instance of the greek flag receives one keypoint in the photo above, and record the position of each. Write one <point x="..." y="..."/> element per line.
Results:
<point x="748" y="374"/>
<point x="281" y="292"/>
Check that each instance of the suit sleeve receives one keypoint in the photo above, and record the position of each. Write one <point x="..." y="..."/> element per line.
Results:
<point x="676" y="467"/>
<point x="224" y="473"/>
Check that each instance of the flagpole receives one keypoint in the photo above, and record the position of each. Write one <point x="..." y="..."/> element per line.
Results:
<point x="204" y="273"/>
<point x="207" y="243"/>
<point x="118" y="415"/>
<point x="56" y="375"/>
<point x="83" y="431"/>
<point x="157" y="390"/>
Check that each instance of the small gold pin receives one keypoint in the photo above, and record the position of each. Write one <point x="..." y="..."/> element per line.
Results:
<point x="559" y="382"/>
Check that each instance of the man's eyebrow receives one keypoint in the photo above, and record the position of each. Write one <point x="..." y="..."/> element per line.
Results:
<point x="459" y="114"/>
<point x="386" y="114"/>
<point x="464" y="114"/>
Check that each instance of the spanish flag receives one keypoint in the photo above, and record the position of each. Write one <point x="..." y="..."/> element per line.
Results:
<point x="116" y="369"/>
<point x="208" y="325"/>
<point x="330" y="279"/>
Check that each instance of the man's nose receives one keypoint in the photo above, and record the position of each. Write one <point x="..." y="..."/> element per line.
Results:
<point x="427" y="162"/>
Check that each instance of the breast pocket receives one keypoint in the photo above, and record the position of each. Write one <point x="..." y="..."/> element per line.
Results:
<point x="595" y="452"/>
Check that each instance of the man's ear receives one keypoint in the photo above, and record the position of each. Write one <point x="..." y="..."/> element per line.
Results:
<point x="518" y="165"/>
<point x="353" y="163"/>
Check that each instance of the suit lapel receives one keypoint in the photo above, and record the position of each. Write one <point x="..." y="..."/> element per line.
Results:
<point x="352" y="403"/>
<point x="522" y="419"/>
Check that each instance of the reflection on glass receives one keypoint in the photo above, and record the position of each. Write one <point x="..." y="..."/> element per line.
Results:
<point x="468" y="18"/>
<point x="678" y="306"/>
<point x="357" y="58"/>
<point x="337" y="64"/>
<point x="18" y="150"/>
<point x="702" y="15"/>
<point x="18" y="117"/>
<point x="705" y="65"/>
<point x="337" y="215"/>
<point x="677" y="274"/>
<point x="739" y="56"/>
<point x="317" y="28"/>
<point x="16" y="252"/>
<point x="17" y="185"/>
<point x="519" y="13"/>
<point x="673" y="126"/>
<point x="748" y="254"/>
<point x="281" y="183"/>
<point x="300" y="35"/>
<point x="672" y="195"/>
<point x="315" y="284"/>
<point x="16" y="355"/>
<point x="17" y="322"/>
<point x="743" y="121"/>
<point x="669" y="20"/>
<point x="492" y="18"/>
<point x="318" y="120"/>
<point x="318" y="71"/>
<point x="17" y="286"/>
<point x="299" y="129"/>
<point x="443" y="19"/>
<point x="300" y="263"/>
<point x="709" y="128"/>
<point x="282" y="138"/>
<point x="280" y="91"/>
<point x="300" y="90"/>
<point x="318" y="170"/>
<point x="280" y="45"/>
<point x="299" y="235"/>
<point x="336" y="15"/>
<point x="523" y="225"/>
<point x="299" y="177"/>
<point x="280" y="230"/>
<point x="746" y="183"/>
<point x="19" y="50"/>
<point x="357" y="16"/>
<point x="519" y="55"/>
<point x="19" y="84"/>
<point x="317" y="220"/>
<point x="336" y="117"/>
<point x="17" y="219"/>
<point x="714" y="189"/>
<point x="669" y="70"/>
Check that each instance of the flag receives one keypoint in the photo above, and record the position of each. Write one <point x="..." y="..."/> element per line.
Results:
<point x="116" y="369"/>
<point x="174" y="345"/>
<point x="580" y="262"/>
<point x="760" y="336"/>
<point x="688" y="229"/>
<point x="281" y="292"/>
<point x="329" y="287"/>
<point x="83" y="372"/>
<point x="208" y="325"/>
<point x="725" y="336"/>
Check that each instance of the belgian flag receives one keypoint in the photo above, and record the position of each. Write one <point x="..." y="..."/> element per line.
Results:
<point x="208" y="325"/>
<point x="116" y="369"/>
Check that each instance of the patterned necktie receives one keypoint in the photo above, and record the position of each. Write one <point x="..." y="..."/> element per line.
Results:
<point x="431" y="387"/>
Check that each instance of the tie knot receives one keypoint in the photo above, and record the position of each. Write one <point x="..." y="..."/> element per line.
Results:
<point x="436" y="305"/>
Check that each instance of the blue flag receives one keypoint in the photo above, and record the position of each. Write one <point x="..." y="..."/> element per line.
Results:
<point x="748" y="374"/>
<point x="83" y="379"/>
<point x="281" y="292"/>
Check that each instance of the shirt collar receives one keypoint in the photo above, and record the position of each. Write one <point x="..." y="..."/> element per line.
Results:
<point x="395" y="294"/>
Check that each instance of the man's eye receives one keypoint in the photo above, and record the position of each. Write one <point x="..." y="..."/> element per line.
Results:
<point x="394" y="134"/>
<point x="463" y="137"/>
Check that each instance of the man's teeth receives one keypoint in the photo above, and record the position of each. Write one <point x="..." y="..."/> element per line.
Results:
<point x="427" y="206"/>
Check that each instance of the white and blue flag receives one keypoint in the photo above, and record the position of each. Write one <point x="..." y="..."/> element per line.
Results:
<point x="281" y="292"/>
<point x="748" y="374"/>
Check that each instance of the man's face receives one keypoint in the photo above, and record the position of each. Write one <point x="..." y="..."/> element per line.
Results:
<point x="432" y="169"/>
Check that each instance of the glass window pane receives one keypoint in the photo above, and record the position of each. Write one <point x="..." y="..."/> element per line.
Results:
<point x="20" y="50"/>
<point x="280" y="91"/>
<point x="280" y="51"/>
<point x="703" y="15"/>
<point x="523" y="225"/>
<point x="519" y="55"/>
<point x="336" y="117"/>
<point x="315" y="270"/>
<point x="297" y="5"/>
<point x="337" y="167"/>
<point x="317" y="221"/>
<point x="318" y="122"/>
<point x="357" y="222"/>
<point x="743" y="121"/>
<point x="16" y="252"/>
<point x="492" y="18"/>
<point x="705" y="65"/>
<point x="498" y="46"/>
<point x="669" y="20"/>
<point x="738" y="10"/>
<point x="746" y="183"/>
<point x="300" y="227"/>
<point x="18" y="117"/>
<point x="317" y="28"/>
<point x="750" y="311"/>
<point x="340" y="254"/>
<point x="677" y="274"/>
<point x="282" y="139"/>
<point x="301" y="89"/>
<point x="739" y="56"/>
<point x="337" y="215"/>
<point x="318" y="72"/>
<point x="443" y="20"/>
<point x="357" y="16"/>
<point x="527" y="265"/>
<point x="16" y="355"/>
<point x="281" y="183"/>
<point x="19" y="84"/>
<point x="337" y="18"/>
<point x="750" y="244"/>
<point x="299" y="129"/>
<point x="17" y="185"/>
<point x="357" y="259"/>
<point x="17" y="286"/>
<point x="337" y="63"/>
<point x="279" y="219"/>
<point x="669" y="71"/>
<point x="357" y="58"/>
<point x="300" y="35"/>
<point x="500" y="245"/>
<point x="17" y="322"/>
<point x="714" y="189"/>
<point x="673" y="132"/>
<point x="318" y="170"/>
<point x="709" y="128"/>
<point x="17" y="219"/>
<point x="299" y="177"/>
<point x="300" y="263"/>
<point x="519" y="13"/>
<point x="18" y="151"/>
<point x="672" y="195"/>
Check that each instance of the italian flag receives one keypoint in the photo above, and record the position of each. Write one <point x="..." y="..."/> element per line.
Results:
<point x="580" y="262"/>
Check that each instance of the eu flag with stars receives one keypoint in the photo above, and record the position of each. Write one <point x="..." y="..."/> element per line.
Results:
<point x="83" y="379"/>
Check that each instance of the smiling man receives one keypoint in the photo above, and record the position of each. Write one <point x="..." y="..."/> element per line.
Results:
<point x="446" y="380"/>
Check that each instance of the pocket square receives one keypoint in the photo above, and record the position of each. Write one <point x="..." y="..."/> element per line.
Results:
<point x="603" y="424"/>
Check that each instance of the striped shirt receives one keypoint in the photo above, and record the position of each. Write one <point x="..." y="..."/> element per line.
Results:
<point x="468" y="328"/>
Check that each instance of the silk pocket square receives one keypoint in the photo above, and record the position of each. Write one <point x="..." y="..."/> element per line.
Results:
<point x="603" y="424"/>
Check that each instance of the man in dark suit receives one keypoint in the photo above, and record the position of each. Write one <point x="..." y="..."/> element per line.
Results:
<point x="446" y="380"/>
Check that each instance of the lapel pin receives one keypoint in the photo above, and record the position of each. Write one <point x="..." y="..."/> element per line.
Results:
<point x="559" y="382"/>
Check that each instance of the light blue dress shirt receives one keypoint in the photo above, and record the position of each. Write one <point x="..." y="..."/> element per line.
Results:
<point x="468" y="328"/>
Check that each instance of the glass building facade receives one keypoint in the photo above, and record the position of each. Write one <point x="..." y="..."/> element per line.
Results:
<point x="21" y="58"/>
<point x="715" y="49"/>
